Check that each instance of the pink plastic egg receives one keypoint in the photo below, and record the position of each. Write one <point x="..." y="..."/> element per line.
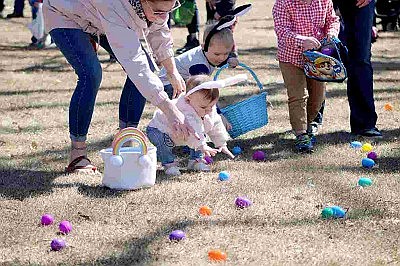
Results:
<point x="65" y="227"/>
<point x="259" y="156"/>
<point x="47" y="219"/>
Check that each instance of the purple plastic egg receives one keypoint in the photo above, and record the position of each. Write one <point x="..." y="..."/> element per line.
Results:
<point x="327" y="51"/>
<point x="372" y="155"/>
<point x="259" y="156"/>
<point x="57" y="244"/>
<point x="65" y="227"/>
<point x="47" y="219"/>
<point x="243" y="202"/>
<point x="208" y="160"/>
<point x="177" y="235"/>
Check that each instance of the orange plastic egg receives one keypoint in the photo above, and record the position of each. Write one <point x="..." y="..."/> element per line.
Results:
<point x="217" y="255"/>
<point x="205" y="210"/>
<point x="388" y="107"/>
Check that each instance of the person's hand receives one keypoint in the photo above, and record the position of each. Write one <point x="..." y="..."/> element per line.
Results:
<point x="208" y="151"/>
<point x="217" y="16"/>
<point x="310" y="43"/>
<point x="330" y="37"/>
<point x="177" y="83"/>
<point x="362" y="3"/>
<point x="226" y="123"/>
<point x="225" y="150"/>
<point x="233" y="62"/>
<point x="180" y="128"/>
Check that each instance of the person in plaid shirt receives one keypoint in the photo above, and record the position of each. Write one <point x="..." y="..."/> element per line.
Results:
<point x="299" y="26"/>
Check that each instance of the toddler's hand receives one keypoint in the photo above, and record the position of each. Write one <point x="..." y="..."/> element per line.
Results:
<point x="226" y="123"/>
<point x="208" y="151"/>
<point x="225" y="150"/>
<point x="310" y="43"/>
<point x="233" y="62"/>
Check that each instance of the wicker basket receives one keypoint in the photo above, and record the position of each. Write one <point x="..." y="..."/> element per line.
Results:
<point x="248" y="114"/>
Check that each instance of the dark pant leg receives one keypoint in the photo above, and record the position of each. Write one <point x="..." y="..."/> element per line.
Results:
<point x="19" y="6"/>
<point x="357" y="31"/>
<point x="132" y="102"/>
<point x="2" y="5"/>
<point x="210" y="12"/>
<point x="193" y="27"/>
<point x="77" y="49"/>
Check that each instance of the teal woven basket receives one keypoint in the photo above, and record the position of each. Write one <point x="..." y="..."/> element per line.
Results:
<point x="248" y="114"/>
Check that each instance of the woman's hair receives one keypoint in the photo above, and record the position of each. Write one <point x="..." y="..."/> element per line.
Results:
<point x="196" y="80"/>
<point x="225" y="35"/>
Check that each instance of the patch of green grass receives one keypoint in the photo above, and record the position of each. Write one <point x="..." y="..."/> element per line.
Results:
<point x="361" y="214"/>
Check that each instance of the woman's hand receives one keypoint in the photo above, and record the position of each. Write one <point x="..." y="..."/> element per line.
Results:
<point x="177" y="83"/>
<point x="225" y="150"/>
<point x="362" y="3"/>
<point x="310" y="43"/>
<point x="180" y="129"/>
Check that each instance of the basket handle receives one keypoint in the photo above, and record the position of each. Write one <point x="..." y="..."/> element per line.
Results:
<point x="119" y="141"/>
<point x="259" y="84"/>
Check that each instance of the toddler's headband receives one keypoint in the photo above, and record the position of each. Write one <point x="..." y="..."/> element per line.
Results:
<point x="218" y="84"/>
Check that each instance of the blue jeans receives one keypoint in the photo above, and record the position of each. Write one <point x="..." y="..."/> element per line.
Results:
<point x="165" y="145"/>
<point x="78" y="50"/>
<point x="357" y="37"/>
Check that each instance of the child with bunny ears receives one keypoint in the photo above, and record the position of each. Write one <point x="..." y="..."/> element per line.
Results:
<point x="199" y="109"/>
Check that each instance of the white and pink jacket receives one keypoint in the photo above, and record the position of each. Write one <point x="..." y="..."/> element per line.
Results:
<point x="124" y="28"/>
<point x="211" y="125"/>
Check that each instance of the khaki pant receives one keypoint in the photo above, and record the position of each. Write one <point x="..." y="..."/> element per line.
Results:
<point x="305" y="96"/>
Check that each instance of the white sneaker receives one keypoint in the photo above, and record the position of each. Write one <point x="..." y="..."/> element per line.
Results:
<point x="172" y="171"/>
<point x="198" y="166"/>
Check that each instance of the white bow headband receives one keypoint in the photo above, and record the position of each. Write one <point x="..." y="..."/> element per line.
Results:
<point x="218" y="84"/>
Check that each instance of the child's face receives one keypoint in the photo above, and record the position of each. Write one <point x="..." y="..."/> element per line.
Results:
<point x="201" y="105"/>
<point x="218" y="52"/>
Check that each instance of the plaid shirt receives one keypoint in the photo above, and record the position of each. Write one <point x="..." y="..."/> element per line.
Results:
<point x="295" y="19"/>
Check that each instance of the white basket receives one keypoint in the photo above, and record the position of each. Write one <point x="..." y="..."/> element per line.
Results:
<point x="129" y="167"/>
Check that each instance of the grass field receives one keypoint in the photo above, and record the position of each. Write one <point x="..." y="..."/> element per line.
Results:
<point x="288" y="190"/>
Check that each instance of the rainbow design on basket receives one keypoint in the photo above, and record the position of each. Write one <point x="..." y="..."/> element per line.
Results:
<point x="129" y="130"/>
<point x="129" y="135"/>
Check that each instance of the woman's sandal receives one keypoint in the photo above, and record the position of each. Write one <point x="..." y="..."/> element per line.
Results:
<point x="74" y="168"/>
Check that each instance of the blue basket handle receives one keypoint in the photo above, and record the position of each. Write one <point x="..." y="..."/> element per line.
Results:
<point x="259" y="84"/>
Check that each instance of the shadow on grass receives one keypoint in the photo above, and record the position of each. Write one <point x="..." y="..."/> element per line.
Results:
<point x="21" y="184"/>
<point x="136" y="251"/>
<point x="47" y="91"/>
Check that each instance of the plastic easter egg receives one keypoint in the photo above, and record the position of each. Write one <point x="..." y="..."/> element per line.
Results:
<point x="208" y="160"/>
<point x="205" y="210"/>
<point x="116" y="160"/>
<point x="355" y="144"/>
<point x="367" y="163"/>
<point x="364" y="182"/>
<point x="367" y="147"/>
<point x="243" y="202"/>
<point x="236" y="150"/>
<point x="338" y="212"/>
<point x="223" y="176"/>
<point x="217" y="255"/>
<point x="177" y="235"/>
<point x="372" y="155"/>
<point x="65" y="227"/>
<point x="327" y="51"/>
<point x="47" y="219"/>
<point x="57" y="244"/>
<point x="388" y="107"/>
<point x="259" y="156"/>
<point x="327" y="213"/>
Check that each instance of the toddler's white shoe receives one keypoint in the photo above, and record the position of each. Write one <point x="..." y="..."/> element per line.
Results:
<point x="198" y="166"/>
<point x="172" y="171"/>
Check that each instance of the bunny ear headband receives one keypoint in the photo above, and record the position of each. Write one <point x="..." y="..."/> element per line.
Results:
<point x="226" y="22"/>
<point x="218" y="84"/>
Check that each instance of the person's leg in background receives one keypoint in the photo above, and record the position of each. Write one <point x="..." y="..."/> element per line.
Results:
<point x="358" y="23"/>
<point x="210" y="9"/>
<point x="192" y="40"/>
<point x="315" y="104"/>
<point x="2" y="8"/>
<point x="18" y="9"/>
<point x="78" y="50"/>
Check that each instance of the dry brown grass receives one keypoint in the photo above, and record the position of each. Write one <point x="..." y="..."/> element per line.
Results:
<point x="126" y="228"/>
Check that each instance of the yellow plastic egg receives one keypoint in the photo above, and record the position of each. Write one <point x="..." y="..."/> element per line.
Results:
<point x="366" y="147"/>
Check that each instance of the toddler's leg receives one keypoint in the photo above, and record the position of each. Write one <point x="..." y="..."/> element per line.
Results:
<point x="295" y="82"/>
<point x="316" y="92"/>
<point x="196" y="162"/>
<point x="163" y="143"/>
